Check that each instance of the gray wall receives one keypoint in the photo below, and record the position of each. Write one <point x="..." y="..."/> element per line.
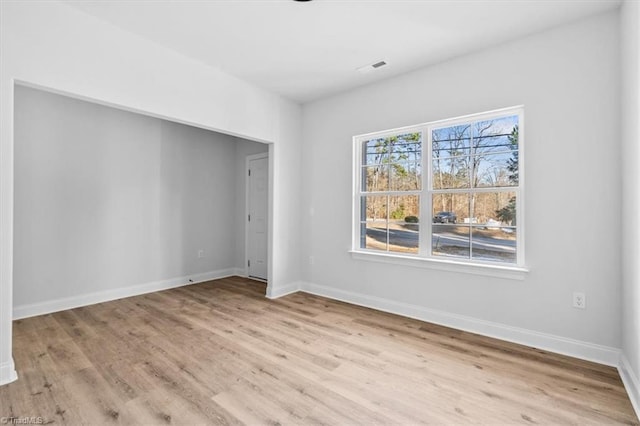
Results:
<point x="109" y="199"/>
<point x="568" y="81"/>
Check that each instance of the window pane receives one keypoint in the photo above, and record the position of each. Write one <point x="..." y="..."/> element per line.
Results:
<point x="449" y="208"/>
<point x="454" y="140"/>
<point x="485" y="132"/>
<point x="496" y="170"/>
<point x="450" y="228"/>
<point x="450" y="156"/>
<point x="398" y="148"/>
<point x="375" y="178"/>
<point x="493" y="236"/>
<point x="405" y="176"/>
<point x="495" y="209"/>
<point x="494" y="243"/>
<point x="402" y="206"/>
<point x="450" y="240"/>
<point x="375" y="233"/>
<point x="373" y="207"/>
<point x="495" y="152"/>
<point x="405" y="147"/>
<point x="375" y="151"/>
<point x="404" y="212"/>
<point x="404" y="238"/>
<point x="450" y="172"/>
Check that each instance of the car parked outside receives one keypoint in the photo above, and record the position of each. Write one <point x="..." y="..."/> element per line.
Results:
<point x="445" y="217"/>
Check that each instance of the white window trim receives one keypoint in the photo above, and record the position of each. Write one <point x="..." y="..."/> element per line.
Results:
<point x="424" y="258"/>
<point x="443" y="264"/>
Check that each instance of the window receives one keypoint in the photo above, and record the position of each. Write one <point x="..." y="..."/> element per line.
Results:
<point x="444" y="190"/>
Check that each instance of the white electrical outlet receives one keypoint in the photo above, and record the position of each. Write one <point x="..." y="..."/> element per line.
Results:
<point x="200" y="254"/>
<point x="579" y="300"/>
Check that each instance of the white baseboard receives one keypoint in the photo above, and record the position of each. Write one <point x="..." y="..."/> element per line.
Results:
<point x="274" y="292"/>
<point x="548" y="342"/>
<point x="8" y="372"/>
<point x="41" y="308"/>
<point x="631" y="382"/>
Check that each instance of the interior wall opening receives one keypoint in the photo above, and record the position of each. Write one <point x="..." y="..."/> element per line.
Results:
<point x="110" y="203"/>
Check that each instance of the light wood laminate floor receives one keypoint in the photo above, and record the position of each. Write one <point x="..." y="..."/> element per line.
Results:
<point x="221" y="353"/>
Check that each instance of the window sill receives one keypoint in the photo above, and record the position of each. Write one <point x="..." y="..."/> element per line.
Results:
<point x="499" y="271"/>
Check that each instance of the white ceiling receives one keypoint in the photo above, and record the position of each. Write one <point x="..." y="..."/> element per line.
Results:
<point x="305" y="51"/>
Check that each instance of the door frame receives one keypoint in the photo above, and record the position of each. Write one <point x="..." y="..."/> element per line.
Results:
<point x="247" y="191"/>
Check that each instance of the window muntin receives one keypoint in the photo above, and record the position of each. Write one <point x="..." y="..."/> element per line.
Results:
<point x="467" y="203"/>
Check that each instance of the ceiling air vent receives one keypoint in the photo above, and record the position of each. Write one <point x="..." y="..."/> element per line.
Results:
<point x="371" y="67"/>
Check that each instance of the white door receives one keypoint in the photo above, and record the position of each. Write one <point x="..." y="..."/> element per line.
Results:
<point x="257" y="206"/>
